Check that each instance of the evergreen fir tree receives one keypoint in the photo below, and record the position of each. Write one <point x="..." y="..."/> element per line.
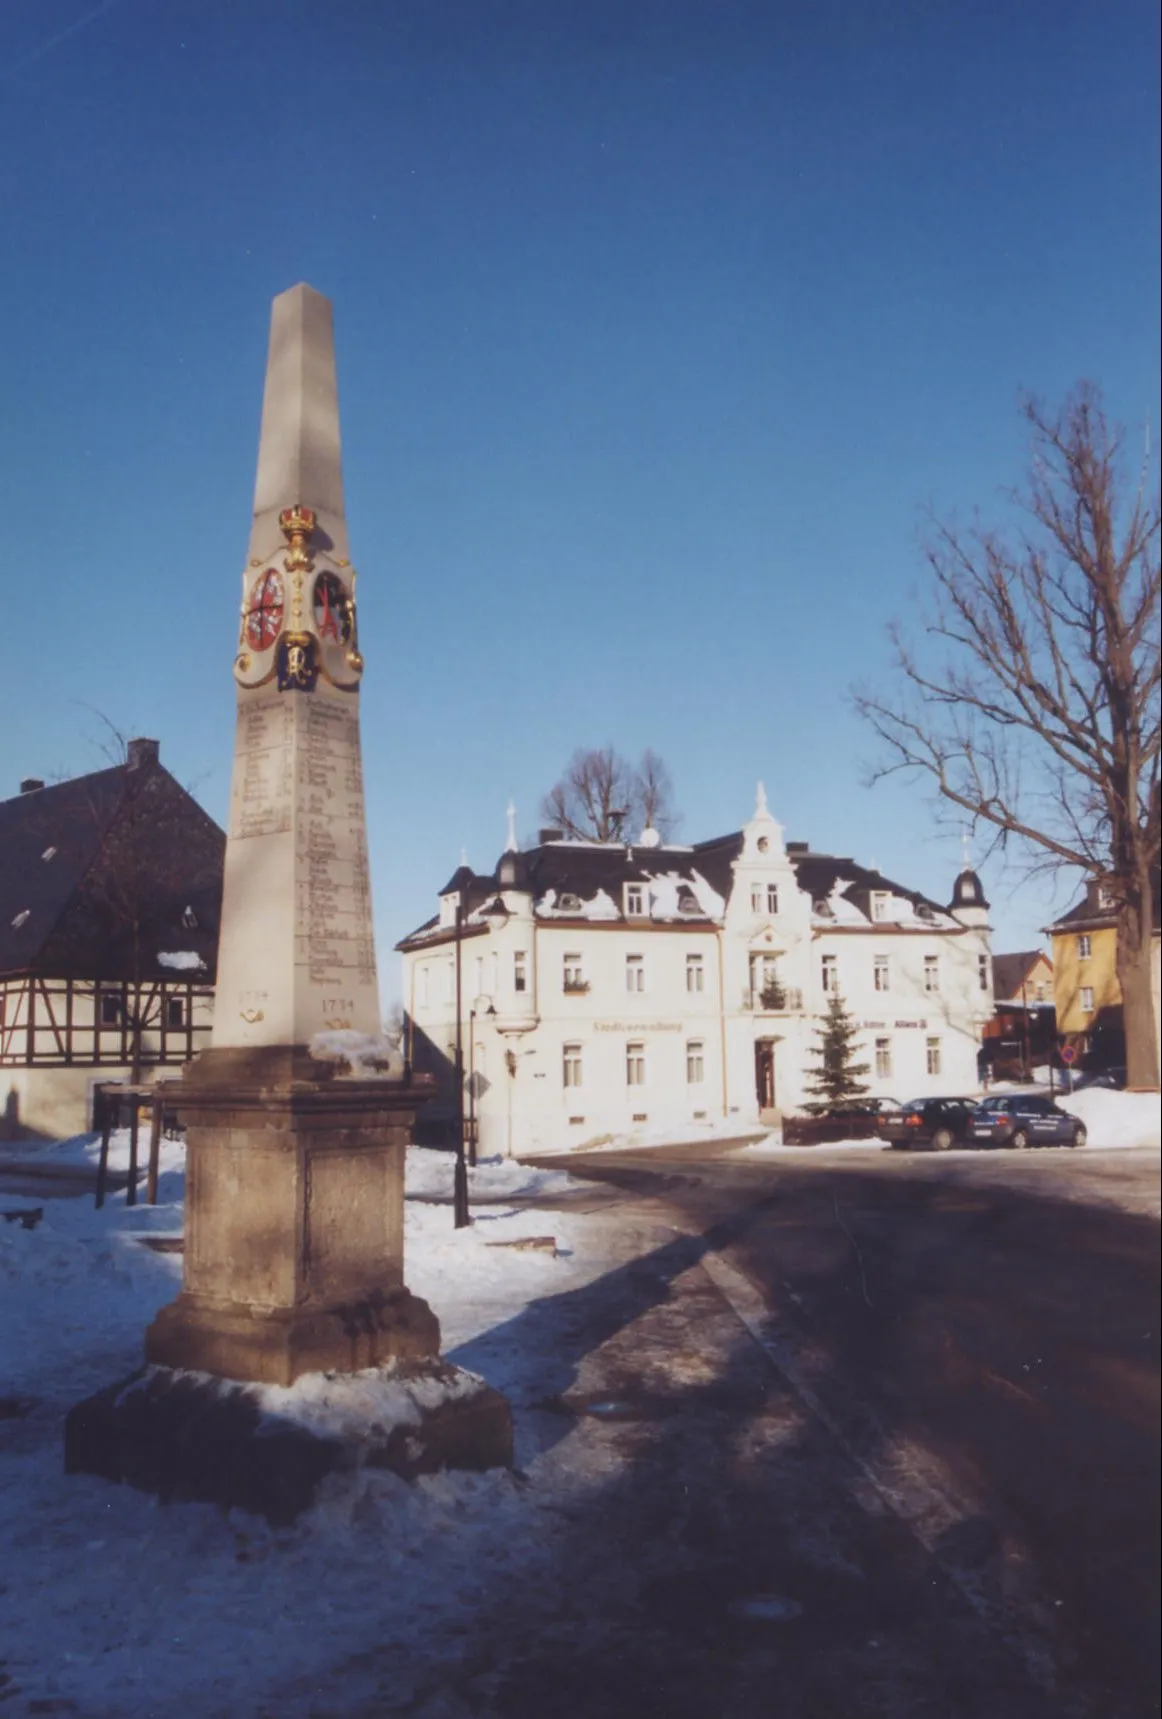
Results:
<point x="838" y="1074"/>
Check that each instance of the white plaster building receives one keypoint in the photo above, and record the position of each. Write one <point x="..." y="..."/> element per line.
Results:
<point x="607" y="988"/>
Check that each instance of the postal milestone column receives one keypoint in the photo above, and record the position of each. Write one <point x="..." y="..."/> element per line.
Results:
<point x="294" y="1193"/>
<point x="297" y="955"/>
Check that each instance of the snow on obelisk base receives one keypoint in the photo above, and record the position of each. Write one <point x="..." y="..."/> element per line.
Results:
<point x="295" y="1180"/>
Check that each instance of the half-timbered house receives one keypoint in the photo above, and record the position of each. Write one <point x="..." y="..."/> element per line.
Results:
<point x="110" y="893"/>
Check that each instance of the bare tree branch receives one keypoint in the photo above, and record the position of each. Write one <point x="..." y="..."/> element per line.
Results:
<point x="1038" y="714"/>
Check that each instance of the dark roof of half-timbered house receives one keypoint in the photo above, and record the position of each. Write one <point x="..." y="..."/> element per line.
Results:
<point x="117" y="874"/>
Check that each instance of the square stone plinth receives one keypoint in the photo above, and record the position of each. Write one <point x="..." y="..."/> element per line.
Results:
<point x="294" y="1222"/>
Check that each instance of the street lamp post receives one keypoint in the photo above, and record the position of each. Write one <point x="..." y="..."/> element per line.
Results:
<point x="461" y="1216"/>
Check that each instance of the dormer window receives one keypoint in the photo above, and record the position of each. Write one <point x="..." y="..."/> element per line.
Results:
<point x="569" y="903"/>
<point x="635" y="900"/>
<point x="879" y="905"/>
<point x="687" y="901"/>
<point x="923" y="911"/>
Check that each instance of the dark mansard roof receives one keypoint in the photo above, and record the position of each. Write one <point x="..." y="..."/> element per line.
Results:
<point x="559" y="874"/>
<point x="100" y="875"/>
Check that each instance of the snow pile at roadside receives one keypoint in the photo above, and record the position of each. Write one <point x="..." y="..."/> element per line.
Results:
<point x="723" y="1128"/>
<point x="1116" y="1118"/>
<point x="430" y="1173"/>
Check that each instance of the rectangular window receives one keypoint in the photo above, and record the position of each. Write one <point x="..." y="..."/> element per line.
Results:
<point x="931" y="974"/>
<point x="756" y="897"/>
<point x="635" y="973"/>
<point x="175" y="1012"/>
<point x="571" y="1065"/>
<point x="520" y="971"/>
<point x="983" y="975"/>
<point x="879" y="907"/>
<point x="635" y="1064"/>
<point x="1087" y="998"/>
<point x="1040" y="993"/>
<point x="1084" y="947"/>
<point x="635" y="900"/>
<point x="830" y="974"/>
<point x="882" y="973"/>
<point x="110" y="1008"/>
<point x="574" y="974"/>
<point x="772" y="898"/>
<point x="932" y="1050"/>
<point x="694" y="1062"/>
<point x="695" y="977"/>
<point x="883" y="1059"/>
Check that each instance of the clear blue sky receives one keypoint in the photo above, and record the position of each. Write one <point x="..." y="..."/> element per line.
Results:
<point x="659" y="322"/>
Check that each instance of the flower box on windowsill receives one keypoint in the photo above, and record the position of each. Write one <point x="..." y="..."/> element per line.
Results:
<point x="576" y="987"/>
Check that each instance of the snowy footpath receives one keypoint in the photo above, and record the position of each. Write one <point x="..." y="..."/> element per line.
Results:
<point x="113" y="1604"/>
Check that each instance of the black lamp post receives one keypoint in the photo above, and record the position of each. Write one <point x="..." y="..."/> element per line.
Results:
<point x="460" y="1175"/>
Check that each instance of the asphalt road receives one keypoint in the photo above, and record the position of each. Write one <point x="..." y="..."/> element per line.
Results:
<point x="893" y="1432"/>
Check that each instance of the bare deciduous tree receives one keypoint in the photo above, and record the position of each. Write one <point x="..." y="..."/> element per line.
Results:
<point x="602" y="797"/>
<point x="1042" y="717"/>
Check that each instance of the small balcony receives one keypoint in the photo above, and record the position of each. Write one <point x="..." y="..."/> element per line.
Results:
<point x="774" y="1000"/>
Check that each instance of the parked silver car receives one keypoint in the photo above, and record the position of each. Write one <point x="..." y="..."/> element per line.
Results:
<point x="1023" y="1119"/>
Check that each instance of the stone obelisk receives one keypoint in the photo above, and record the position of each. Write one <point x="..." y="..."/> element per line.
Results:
<point x="294" y="1198"/>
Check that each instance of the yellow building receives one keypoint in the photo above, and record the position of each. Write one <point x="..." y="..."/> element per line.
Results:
<point x="1086" y="992"/>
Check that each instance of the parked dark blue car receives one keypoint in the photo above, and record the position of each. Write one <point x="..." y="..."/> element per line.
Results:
<point x="1023" y="1119"/>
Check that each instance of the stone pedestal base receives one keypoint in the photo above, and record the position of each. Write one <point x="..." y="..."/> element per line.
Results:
<point x="280" y="1344"/>
<point x="294" y="1221"/>
<point x="192" y="1436"/>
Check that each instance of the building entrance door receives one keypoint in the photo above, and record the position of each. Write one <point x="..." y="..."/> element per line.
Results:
<point x="764" y="1073"/>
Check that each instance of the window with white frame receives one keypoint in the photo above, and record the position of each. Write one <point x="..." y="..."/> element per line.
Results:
<point x="932" y="1056"/>
<point x="571" y="1065"/>
<point x="883" y="1059"/>
<point x="635" y="973"/>
<point x="695" y="974"/>
<point x="695" y="1062"/>
<point x="1084" y="946"/>
<point x="1087" y="998"/>
<point x="635" y="900"/>
<point x="573" y="970"/>
<point x="931" y="974"/>
<point x="772" y="898"/>
<point x="882" y="973"/>
<point x="879" y="906"/>
<point x="520" y="970"/>
<point x="756" y="897"/>
<point x="423" y="986"/>
<point x="830" y="968"/>
<point x="635" y="1063"/>
<point x="983" y="974"/>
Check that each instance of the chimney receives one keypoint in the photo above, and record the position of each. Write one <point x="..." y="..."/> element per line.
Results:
<point x="30" y="784"/>
<point x="141" y="752"/>
<point x="551" y="836"/>
<point x="798" y="847"/>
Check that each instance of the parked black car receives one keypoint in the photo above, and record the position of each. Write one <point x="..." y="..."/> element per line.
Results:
<point x="1024" y="1119"/>
<point x="936" y="1122"/>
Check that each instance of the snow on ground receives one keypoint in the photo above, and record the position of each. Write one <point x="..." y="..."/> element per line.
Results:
<point x="115" y="1606"/>
<point x="429" y="1176"/>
